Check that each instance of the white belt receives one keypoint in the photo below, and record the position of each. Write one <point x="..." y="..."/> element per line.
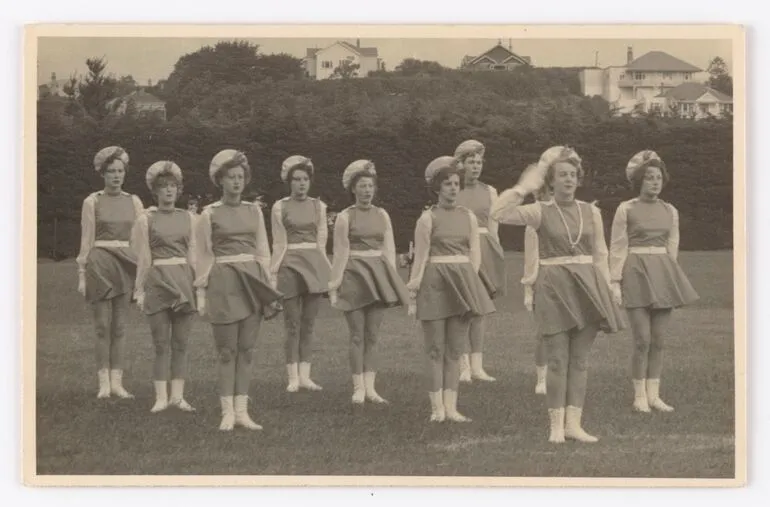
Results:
<point x="231" y="259"/>
<point x="648" y="250"/>
<point x="302" y="246"/>
<point x="483" y="230"/>
<point x="366" y="253"/>
<point x="171" y="261"/>
<point x="449" y="259"/>
<point x="560" y="261"/>
<point x="111" y="243"/>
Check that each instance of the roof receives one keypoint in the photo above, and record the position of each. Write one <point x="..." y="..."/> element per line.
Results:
<point x="661" y="62"/>
<point x="499" y="54"/>
<point x="690" y="92"/>
<point x="141" y="96"/>
<point x="311" y="52"/>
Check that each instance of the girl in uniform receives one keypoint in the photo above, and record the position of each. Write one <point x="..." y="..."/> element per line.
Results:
<point x="646" y="277"/>
<point x="445" y="285"/>
<point x="478" y="197"/>
<point x="364" y="280"/>
<point x="300" y="267"/>
<point x="164" y="242"/>
<point x="572" y="299"/>
<point x="107" y="265"/>
<point x="232" y="277"/>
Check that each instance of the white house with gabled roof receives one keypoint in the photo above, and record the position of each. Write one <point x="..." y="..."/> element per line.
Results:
<point x="320" y="63"/>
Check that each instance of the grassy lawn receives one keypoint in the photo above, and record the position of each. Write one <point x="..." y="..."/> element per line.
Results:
<point x="320" y="433"/>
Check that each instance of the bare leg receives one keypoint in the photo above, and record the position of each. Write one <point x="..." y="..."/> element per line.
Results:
<point x="434" y="332"/>
<point x="373" y="321"/>
<point x="640" y="328"/>
<point x="659" y="322"/>
<point x="557" y="347"/>
<point x="577" y="378"/>
<point x="248" y="331"/>
<point x="102" y="324"/>
<point x="310" y="305"/>
<point x="181" y="324"/>
<point x="117" y="345"/>
<point x="456" y="331"/>
<point x="541" y="365"/>
<point x="160" y="328"/>
<point x="356" y="321"/>
<point x="292" y="315"/>
<point x="477" y="332"/>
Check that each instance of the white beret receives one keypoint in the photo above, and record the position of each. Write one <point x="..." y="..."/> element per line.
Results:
<point x="107" y="155"/>
<point x="556" y="154"/>
<point x="364" y="167"/>
<point x="438" y="164"/>
<point x="294" y="161"/>
<point x="227" y="159"/>
<point x="162" y="168"/>
<point x="639" y="160"/>
<point x="469" y="147"/>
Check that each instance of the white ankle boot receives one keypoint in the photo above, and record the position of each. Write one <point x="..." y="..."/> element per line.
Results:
<point x="542" y="374"/>
<point x="304" y="378"/>
<point x="437" y="411"/>
<point x="116" y="385"/>
<point x="573" y="428"/>
<point x="640" y="396"/>
<point x="359" y="391"/>
<point x="477" y="370"/>
<point x="556" y="416"/>
<point x="228" y="413"/>
<point x="293" y="373"/>
<point x="242" y="413"/>
<point x="450" y="406"/>
<point x="177" y="396"/>
<point x="161" y="396"/>
<point x="465" y="369"/>
<point x="104" y="383"/>
<point x="371" y="393"/>
<point x="653" y="396"/>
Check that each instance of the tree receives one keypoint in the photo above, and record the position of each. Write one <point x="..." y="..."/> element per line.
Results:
<point x="413" y="67"/>
<point x="71" y="87"/>
<point x="97" y="88"/>
<point x="345" y="70"/>
<point x="126" y="85"/>
<point x="719" y="78"/>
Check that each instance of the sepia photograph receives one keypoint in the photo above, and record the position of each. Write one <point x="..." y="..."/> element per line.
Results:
<point x="383" y="255"/>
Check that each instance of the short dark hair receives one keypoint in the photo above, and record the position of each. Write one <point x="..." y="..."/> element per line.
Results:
<point x="638" y="175"/>
<point x="444" y="174"/>
<point x="355" y="179"/>
<point x="161" y="179"/>
<point x="307" y="169"/>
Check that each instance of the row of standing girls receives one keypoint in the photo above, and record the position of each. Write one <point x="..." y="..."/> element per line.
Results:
<point x="219" y="264"/>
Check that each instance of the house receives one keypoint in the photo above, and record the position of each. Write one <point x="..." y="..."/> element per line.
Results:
<point x="145" y="104"/>
<point x="636" y="85"/>
<point x="53" y="88"/>
<point x="693" y="100"/>
<point x="320" y="63"/>
<point x="497" y="58"/>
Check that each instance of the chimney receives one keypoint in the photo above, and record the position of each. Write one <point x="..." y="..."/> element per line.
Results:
<point x="358" y="43"/>
<point x="149" y="83"/>
<point x="510" y="44"/>
<point x="629" y="55"/>
<point x="53" y="76"/>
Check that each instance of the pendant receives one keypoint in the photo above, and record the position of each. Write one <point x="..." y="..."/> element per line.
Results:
<point x="572" y="249"/>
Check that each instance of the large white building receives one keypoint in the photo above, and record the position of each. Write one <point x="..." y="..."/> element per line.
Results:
<point x="639" y="84"/>
<point x="320" y="63"/>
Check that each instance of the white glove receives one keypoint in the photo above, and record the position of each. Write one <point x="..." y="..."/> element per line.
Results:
<point x="273" y="278"/>
<point x="333" y="297"/>
<point x="201" y="297"/>
<point x="412" y="308"/>
<point x="617" y="294"/>
<point x="528" y="298"/>
<point x="140" y="300"/>
<point x="82" y="284"/>
<point x="531" y="179"/>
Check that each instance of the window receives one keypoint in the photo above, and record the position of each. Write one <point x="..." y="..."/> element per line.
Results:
<point x="639" y="76"/>
<point x="704" y="108"/>
<point x="687" y="76"/>
<point x="500" y="67"/>
<point x="326" y="64"/>
<point x="725" y="108"/>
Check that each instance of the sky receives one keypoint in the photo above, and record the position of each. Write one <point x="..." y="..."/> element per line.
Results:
<point x="154" y="58"/>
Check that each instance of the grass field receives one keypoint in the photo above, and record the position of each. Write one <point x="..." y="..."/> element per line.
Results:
<point x="320" y="433"/>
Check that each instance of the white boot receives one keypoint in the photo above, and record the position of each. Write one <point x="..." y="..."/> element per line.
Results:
<point x="293" y="374"/>
<point x="450" y="406"/>
<point x="572" y="427"/>
<point x="653" y="396"/>
<point x="242" y="413"/>
<point x="116" y="385"/>
<point x="304" y="378"/>
<point x="359" y="392"/>
<point x="161" y="396"/>
<point x="640" y="396"/>
<point x="556" y="415"/>
<point x="177" y="396"/>
<point x="371" y="393"/>
<point x="477" y="370"/>
<point x="465" y="369"/>
<point x="542" y="374"/>
<point x="104" y="383"/>
<point x="228" y="413"/>
<point x="437" y="411"/>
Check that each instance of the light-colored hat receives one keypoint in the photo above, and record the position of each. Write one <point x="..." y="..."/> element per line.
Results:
<point x="437" y="165"/>
<point x="109" y="154"/>
<point x="362" y="167"/>
<point x="469" y="147"/>
<point x="294" y="161"/>
<point x="162" y="168"/>
<point x="639" y="160"/>
<point x="556" y="154"/>
<point x="227" y="159"/>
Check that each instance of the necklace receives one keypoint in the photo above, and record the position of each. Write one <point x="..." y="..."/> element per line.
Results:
<point x="572" y="244"/>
